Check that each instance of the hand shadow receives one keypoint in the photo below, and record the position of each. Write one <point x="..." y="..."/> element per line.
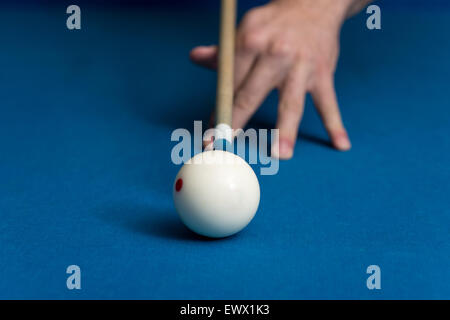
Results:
<point x="302" y="136"/>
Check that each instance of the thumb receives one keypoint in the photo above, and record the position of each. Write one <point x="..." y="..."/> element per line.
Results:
<point x="205" y="56"/>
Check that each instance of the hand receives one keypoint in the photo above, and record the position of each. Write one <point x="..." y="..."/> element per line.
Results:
<point x="292" y="46"/>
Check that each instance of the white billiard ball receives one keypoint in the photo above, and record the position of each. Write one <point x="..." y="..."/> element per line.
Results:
<point x="216" y="193"/>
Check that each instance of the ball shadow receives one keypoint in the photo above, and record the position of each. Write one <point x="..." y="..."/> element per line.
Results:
<point x="166" y="226"/>
<point x="147" y="221"/>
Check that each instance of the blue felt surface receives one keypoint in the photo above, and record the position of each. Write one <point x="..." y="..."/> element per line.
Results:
<point x="86" y="176"/>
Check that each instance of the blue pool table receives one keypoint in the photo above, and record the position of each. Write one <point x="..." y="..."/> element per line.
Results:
<point x="86" y="175"/>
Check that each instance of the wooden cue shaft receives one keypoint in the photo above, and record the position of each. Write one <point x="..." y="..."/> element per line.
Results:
<point x="224" y="99"/>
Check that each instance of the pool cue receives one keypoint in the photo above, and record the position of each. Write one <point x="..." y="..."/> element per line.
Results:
<point x="225" y="81"/>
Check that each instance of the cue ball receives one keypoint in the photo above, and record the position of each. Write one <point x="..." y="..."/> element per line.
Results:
<point x="216" y="194"/>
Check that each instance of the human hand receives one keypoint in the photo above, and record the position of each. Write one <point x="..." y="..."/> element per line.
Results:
<point x="292" y="46"/>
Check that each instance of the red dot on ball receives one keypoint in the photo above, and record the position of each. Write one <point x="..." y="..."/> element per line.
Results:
<point x="178" y="185"/>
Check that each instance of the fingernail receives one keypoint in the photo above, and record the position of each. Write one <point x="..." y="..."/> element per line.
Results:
<point x="282" y="150"/>
<point x="342" y="142"/>
<point x="208" y="146"/>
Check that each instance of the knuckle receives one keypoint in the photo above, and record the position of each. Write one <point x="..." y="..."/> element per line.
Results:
<point x="305" y="56"/>
<point x="251" y="18"/>
<point x="324" y="65"/>
<point x="290" y="108"/>
<point x="323" y="73"/>
<point x="253" y="40"/>
<point x="244" y="102"/>
<point x="281" y="48"/>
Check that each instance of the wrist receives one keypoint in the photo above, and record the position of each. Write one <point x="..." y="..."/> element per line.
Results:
<point x="336" y="11"/>
<point x="356" y="6"/>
